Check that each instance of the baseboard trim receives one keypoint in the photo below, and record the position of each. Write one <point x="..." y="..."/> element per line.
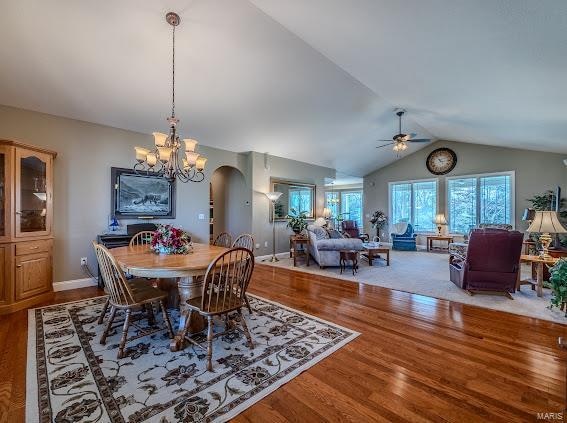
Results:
<point x="267" y="256"/>
<point x="74" y="284"/>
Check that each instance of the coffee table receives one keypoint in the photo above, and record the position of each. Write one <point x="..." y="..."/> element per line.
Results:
<point x="373" y="251"/>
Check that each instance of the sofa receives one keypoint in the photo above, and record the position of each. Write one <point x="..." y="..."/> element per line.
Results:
<point x="405" y="241"/>
<point x="492" y="262"/>
<point x="324" y="249"/>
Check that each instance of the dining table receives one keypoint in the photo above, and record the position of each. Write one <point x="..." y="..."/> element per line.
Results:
<point x="180" y="275"/>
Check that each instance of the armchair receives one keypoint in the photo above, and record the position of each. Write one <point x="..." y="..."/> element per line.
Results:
<point x="351" y="230"/>
<point x="492" y="262"/>
<point x="405" y="241"/>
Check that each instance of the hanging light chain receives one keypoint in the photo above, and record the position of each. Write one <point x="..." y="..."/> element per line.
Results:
<point x="173" y="75"/>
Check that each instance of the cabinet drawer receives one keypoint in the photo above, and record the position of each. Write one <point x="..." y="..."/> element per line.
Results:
<point x="32" y="247"/>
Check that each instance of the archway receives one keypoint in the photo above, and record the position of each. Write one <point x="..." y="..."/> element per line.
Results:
<point x="230" y="205"/>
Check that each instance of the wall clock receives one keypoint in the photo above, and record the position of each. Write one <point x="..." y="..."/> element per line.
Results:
<point x="441" y="161"/>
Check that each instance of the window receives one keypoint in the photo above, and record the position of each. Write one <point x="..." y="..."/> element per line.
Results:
<point x="332" y="202"/>
<point x="414" y="202"/>
<point x="300" y="200"/>
<point x="351" y="206"/>
<point x="346" y="203"/>
<point x="472" y="200"/>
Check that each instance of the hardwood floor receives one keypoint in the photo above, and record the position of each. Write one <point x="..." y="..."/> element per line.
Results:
<point x="417" y="359"/>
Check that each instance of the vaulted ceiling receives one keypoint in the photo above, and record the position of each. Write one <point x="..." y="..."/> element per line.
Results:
<point x="313" y="80"/>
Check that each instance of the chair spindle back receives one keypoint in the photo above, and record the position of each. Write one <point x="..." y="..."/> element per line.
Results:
<point x="244" y="241"/>
<point x="223" y="239"/>
<point x="227" y="279"/>
<point x="142" y="238"/>
<point x="114" y="281"/>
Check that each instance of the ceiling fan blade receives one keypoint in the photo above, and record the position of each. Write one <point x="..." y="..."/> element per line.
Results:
<point x="385" y="145"/>
<point x="383" y="140"/>
<point x="420" y="140"/>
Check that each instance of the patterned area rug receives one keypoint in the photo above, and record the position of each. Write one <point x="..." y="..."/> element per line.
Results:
<point x="72" y="378"/>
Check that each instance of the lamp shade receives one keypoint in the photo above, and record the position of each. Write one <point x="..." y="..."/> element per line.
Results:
<point x="190" y="145"/>
<point x="141" y="153"/>
<point x="546" y="222"/>
<point x="326" y="212"/>
<point x="159" y="139"/>
<point x="191" y="158"/>
<point x="273" y="196"/>
<point x="200" y="163"/>
<point x="529" y="214"/>
<point x="440" y="219"/>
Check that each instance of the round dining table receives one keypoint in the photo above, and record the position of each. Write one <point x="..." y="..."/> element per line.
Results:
<point x="178" y="274"/>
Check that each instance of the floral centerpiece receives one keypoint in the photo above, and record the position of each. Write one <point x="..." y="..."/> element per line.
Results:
<point x="168" y="239"/>
<point x="378" y="220"/>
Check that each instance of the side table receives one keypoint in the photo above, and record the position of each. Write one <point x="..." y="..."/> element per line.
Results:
<point x="294" y="242"/>
<point x="348" y="255"/>
<point x="538" y="262"/>
<point x="431" y="238"/>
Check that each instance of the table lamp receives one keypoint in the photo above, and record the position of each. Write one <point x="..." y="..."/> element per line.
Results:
<point x="326" y="213"/>
<point x="546" y="223"/>
<point x="440" y="221"/>
<point x="273" y="197"/>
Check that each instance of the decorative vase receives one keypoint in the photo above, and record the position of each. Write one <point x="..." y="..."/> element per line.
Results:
<point x="297" y="231"/>
<point x="166" y="250"/>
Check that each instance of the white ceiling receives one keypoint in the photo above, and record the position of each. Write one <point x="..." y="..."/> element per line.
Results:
<point x="315" y="81"/>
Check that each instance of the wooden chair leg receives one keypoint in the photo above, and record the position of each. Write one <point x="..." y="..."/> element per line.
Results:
<point x="108" y="326"/>
<point x="124" y="333"/>
<point x="245" y="329"/>
<point x="150" y="312"/>
<point x="247" y="304"/>
<point x="210" y="344"/>
<point x="166" y="319"/>
<point x="103" y="312"/>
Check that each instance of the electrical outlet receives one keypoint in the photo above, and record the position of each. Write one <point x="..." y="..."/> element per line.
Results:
<point x="201" y="216"/>
<point x="83" y="261"/>
<point x="257" y="246"/>
<point x="265" y="243"/>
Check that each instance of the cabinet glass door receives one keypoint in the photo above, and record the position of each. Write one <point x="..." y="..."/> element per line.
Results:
<point x="32" y="216"/>
<point x="3" y="211"/>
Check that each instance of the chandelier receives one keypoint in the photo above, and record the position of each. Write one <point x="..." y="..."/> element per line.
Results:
<point x="168" y="158"/>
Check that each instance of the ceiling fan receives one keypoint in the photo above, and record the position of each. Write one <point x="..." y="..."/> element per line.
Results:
<point x="400" y="140"/>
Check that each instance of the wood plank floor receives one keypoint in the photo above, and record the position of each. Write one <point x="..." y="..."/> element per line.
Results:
<point x="418" y="358"/>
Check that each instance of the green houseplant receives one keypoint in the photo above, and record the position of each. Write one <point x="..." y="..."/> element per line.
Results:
<point x="297" y="221"/>
<point x="558" y="281"/>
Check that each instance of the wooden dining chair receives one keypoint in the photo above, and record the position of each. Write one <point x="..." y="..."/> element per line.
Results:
<point x="129" y="295"/>
<point x="224" y="239"/>
<point x="245" y="241"/>
<point x="226" y="281"/>
<point x="142" y="238"/>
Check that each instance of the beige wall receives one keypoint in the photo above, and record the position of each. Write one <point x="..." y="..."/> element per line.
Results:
<point x="232" y="202"/>
<point x="86" y="152"/>
<point x="287" y="170"/>
<point x="535" y="172"/>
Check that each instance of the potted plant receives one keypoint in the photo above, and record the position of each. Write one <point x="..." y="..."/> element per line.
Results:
<point x="168" y="239"/>
<point x="378" y="220"/>
<point x="558" y="281"/>
<point x="297" y="221"/>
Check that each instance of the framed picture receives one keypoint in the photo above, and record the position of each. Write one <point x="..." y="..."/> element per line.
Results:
<point x="141" y="196"/>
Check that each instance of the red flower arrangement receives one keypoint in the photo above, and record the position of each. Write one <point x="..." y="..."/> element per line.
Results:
<point x="168" y="239"/>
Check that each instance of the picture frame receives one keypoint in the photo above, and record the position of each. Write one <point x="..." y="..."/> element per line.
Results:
<point x="140" y="195"/>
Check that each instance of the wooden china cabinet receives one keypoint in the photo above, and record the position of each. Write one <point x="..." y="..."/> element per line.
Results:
<point x="26" y="215"/>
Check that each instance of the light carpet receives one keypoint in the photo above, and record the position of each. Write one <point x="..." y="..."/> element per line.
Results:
<point x="427" y="273"/>
<point x="72" y="378"/>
